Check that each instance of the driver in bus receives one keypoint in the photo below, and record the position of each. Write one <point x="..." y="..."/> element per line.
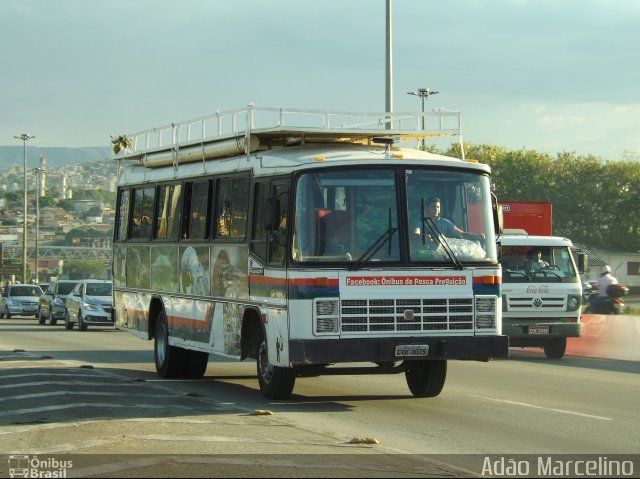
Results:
<point x="446" y="227"/>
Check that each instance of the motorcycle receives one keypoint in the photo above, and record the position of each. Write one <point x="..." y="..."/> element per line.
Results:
<point x="611" y="304"/>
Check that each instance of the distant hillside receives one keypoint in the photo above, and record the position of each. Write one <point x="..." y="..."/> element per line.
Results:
<point x="56" y="157"/>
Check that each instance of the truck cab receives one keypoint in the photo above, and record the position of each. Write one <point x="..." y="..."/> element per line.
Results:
<point x="541" y="292"/>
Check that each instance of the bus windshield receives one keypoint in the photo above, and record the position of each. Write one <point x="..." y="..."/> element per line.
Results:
<point x="356" y="216"/>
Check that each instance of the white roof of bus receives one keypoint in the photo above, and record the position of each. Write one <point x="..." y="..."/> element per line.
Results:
<point x="526" y="240"/>
<point x="285" y="160"/>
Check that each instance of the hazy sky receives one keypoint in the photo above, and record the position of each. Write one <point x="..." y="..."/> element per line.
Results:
<point x="552" y="75"/>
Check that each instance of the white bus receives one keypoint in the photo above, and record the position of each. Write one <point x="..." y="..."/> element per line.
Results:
<point x="289" y="237"/>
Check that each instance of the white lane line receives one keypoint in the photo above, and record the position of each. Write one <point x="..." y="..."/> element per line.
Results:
<point x="126" y="394"/>
<point x="65" y="383"/>
<point x="533" y="406"/>
<point x="92" y="405"/>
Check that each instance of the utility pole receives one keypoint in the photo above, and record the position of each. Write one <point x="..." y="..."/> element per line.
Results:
<point x="389" y="68"/>
<point x="24" y="137"/>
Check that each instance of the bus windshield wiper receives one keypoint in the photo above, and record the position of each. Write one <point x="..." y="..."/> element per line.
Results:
<point x="375" y="247"/>
<point x="438" y="237"/>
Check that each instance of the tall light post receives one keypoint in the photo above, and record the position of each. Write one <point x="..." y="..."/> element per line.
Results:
<point x="388" y="65"/>
<point x="38" y="172"/>
<point x="24" y="137"/>
<point x="423" y="93"/>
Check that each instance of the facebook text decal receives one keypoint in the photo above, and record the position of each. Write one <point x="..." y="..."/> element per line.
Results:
<point x="560" y="466"/>
<point x="27" y="466"/>
<point x="406" y="281"/>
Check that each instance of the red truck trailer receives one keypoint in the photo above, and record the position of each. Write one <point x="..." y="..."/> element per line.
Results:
<point x="534" y="217"/>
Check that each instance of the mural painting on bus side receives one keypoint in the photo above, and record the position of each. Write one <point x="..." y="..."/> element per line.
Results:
<point x="137" y="267"/>
<point x="119" y="265"/>
<point x="164" y="268"/>
<point x="229" y="280"/>
<point x="194" y="270"/>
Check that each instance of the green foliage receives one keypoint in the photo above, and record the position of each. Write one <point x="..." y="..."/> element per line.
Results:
<point x="13" y="196"/>
<point x="66" y="205"/>
<point x="82" y="269"/>
<point x="595" y="202"/>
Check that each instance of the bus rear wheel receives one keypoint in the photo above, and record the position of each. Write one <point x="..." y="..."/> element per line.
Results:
<point x="195" y="364"/>
<point x="426" y="378"/>
<point x="275" y="382"/>
<point x="170" y="360"/>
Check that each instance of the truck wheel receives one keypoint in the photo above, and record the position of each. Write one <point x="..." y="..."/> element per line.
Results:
<point x="195" y="364"/>
<point x="426" y="378"/>
<point x="275" y="382"/>
<point x="555" y="348"/>
<point x="170" y="360"/>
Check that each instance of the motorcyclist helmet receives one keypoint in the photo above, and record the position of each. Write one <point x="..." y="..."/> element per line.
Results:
<point x="606" y="269"/>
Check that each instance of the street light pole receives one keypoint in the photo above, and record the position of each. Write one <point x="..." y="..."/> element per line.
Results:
<point x="423" y="93"/>
<point x="388" y="66"/>
<point x="24" y="137"/>
<point x="38" y="172"/>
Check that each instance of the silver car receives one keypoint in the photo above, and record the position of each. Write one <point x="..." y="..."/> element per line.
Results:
<point x="90" y="303"/>
<point x="20" y="300"/>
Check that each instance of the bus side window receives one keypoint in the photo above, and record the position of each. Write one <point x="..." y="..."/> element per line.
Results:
<point x="169" y="205"/>
<point x="259" y="234"/>
<point x="232" y="208"/>
<point x="123" y="214"/>
<point x="278" y="237"/>
<point x="143" y="202"/>
<point x="197" y="200"/>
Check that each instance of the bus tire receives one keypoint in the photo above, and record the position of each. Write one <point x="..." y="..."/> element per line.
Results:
<point x="195" y="364"/>
<point x="170" y="360"/>
<point x="426" y="378"/>
<point x="555" y="348"/>
<point x="275" y="382"/>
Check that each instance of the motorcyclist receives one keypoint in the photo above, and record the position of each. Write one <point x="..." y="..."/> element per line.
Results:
<point x="605" y="280"/>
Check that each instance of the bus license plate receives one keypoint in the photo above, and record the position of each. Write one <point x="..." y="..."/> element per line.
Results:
<point x="538" y="329"/>
<point x="412" y="350"/>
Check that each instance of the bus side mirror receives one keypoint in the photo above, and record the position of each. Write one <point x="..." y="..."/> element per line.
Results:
<point x="582" y="263"/>
<point x="269" y="214"/>
<point x="498" y="218"/>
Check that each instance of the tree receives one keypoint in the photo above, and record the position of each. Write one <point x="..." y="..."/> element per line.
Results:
<point x="82" y="269"/>
<point x="595" y="202"/>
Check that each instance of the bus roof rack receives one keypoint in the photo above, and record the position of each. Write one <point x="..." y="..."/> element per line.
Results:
<point x="254" y="128"/>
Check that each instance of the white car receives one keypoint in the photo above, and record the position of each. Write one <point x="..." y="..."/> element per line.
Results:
<point x="90" y="303"/>
<point x="20" y="300"/>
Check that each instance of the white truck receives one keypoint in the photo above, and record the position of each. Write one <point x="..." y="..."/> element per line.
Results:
<point x="541" y="292"/>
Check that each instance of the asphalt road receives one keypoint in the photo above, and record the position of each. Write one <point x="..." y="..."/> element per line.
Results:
<point x="94" y="397"/>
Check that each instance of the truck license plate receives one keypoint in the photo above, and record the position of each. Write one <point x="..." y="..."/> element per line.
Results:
<point x="412" y="350"/>
<point x="538" y="329"/>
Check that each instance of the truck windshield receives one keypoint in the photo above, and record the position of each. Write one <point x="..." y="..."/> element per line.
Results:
<point x="363" y="216"/>
<point x="526" y="263"/>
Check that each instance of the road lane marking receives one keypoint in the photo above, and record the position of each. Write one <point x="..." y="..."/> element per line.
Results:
<point x="92" y="405"/>
<point x="561" y="411"/>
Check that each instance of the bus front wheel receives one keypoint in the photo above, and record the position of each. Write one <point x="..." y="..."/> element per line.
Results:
<point x="275" y="382"/>
<point x="426" y="378"/>
<point x="169" y="359"/>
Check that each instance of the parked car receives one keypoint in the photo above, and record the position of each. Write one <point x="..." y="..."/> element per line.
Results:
<point x="53" y="302"/>
<point x="20" y="300"/>
<point x="90" y="303"/>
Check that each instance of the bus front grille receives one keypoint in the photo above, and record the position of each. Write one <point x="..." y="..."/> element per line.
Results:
<point x="406" y="315"/>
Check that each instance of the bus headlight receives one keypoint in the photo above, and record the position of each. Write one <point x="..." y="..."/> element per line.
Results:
<point x="326" y="317"/>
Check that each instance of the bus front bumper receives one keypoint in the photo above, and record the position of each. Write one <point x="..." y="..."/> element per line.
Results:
<point x="331" y="351"/>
